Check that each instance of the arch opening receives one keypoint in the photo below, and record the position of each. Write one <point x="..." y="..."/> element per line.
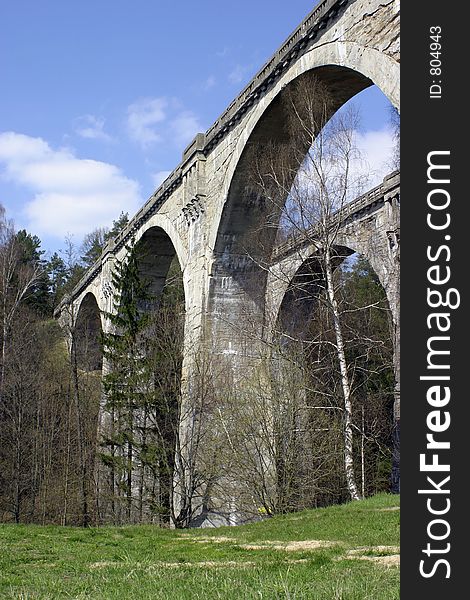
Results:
<point x="143" y="384"/>
<point x="296" y="175"/>
<point x="87" y="336"/>
<point x="158" y="263"/>
<point x="299" y="300"/>
<point x="305" y="361"/>
<point x="249" y="223"/>
<point x="87" y="365"/>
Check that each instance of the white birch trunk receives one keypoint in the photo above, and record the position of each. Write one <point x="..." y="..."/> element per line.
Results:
<point x="347" y="431"/>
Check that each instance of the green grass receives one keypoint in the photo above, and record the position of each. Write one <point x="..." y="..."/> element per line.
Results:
<point x="253" y="561"/>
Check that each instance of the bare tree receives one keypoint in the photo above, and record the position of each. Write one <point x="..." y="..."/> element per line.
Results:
<point x="308" y="181"/>
<point x="17" y="281"/>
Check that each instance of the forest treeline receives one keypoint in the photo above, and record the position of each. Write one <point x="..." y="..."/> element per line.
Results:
<point x="44" y="426"/>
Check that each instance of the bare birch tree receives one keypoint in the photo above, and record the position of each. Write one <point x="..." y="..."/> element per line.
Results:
<point x="308" y="181"/>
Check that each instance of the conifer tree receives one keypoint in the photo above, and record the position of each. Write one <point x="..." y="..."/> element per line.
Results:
<point x="124" y="383"/>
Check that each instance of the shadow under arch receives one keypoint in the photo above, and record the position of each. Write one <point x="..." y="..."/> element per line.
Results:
<point x="157" y="260"/>
<point x="87" y="347"/>
<point x="304" y="287"/>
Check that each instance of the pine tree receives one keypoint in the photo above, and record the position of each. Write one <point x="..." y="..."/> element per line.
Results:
<point x="118" y="226"/>
<point x="58" y="276"/>
<point x="124" y="384"/>
<point x="30" y="256"/>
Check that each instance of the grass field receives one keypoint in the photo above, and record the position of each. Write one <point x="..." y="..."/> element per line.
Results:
<point x="344" y="552"/>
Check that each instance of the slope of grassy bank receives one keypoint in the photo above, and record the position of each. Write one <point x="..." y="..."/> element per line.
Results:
<point x="344" y="552"/>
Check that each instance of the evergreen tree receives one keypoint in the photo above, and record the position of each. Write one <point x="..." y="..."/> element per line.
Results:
<point x="142" y="391"/>
<point x="92" y="247"/>
<point x="118" y="226"/>
<point x="31" y="256"/>
<point x="162" y="402"/>
<point x="124" y="384"/>
<point x="58" y="276"/>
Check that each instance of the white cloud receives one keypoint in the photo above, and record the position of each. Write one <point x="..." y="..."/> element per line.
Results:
<point x="154" y="120"/>
<point x="92" y="128"/>
<point x="238" y="74"/>
<point x="185" y="126"/>
<point x="367" y="167"/>
<point x="377" y="149"/>
<point x="222" y="53"/>
<point x="159" y="177"/>
<point x="70" y="194"/>
<point x="142" y="116"/>
<point x="20" y="149"/>
<point x="209" y="83"/>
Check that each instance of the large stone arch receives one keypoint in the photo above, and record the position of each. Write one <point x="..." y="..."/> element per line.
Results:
<point x="375" y="235"/>
<point x="362" y="67"/>
<point x="293" y="302"/>
<point x="162" y="243"/>
<point x="345" y="68"/>
<point x="299" y="283"/>
<point x="155" y="252"/>
<point x="165" y="224"/>
<point x="294" y="289"/>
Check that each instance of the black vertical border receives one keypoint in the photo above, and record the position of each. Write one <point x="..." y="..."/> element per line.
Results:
<point x="430" y="124"/>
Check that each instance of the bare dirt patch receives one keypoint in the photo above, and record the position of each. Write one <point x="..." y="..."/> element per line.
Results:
<point x="393" y="560"/>
<point x="173" y="565"/>
<point x="308" y="545"/>
<point x="103" y="564"/>
<point x="209" y="563"/>
<point x="383" y="555"/>
<point x="222" y="539"/>
<point x="297" y="546"/>
<point x="386" y="556"/>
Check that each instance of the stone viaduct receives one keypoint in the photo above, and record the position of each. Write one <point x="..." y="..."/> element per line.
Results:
<point x="204" y="214"/>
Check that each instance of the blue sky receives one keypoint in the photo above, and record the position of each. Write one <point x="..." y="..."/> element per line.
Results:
<point x="99" y="98"/>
